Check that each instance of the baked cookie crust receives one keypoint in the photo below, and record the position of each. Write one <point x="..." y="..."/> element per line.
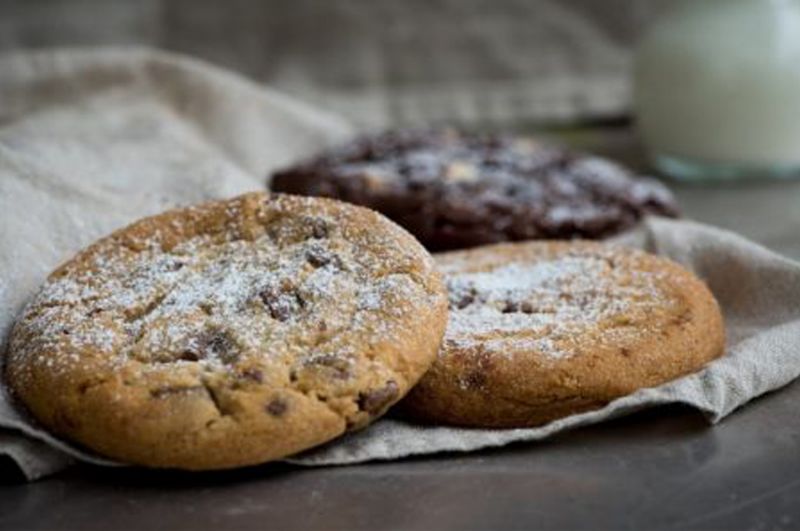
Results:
<point x="229" y="333"/>
<point x="543" y="330"/>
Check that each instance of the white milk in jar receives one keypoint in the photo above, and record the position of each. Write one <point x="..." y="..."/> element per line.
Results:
<point x="717" y="89"/>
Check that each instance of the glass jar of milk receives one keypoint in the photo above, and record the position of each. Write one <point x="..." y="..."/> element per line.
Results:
<point x="717" y="89"/>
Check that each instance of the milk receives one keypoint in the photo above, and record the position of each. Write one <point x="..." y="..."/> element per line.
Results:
<point x="717" y="88"/>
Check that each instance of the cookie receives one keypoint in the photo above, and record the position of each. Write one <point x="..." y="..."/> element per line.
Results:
<point x="229" y="333"/>
<point x="454" y="190"/>
<point x="542" y="330"/>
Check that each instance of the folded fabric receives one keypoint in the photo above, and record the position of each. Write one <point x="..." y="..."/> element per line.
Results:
<point x="385" y="62"/>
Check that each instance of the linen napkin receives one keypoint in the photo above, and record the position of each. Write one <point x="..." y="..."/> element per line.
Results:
<point x="91" y="140"/>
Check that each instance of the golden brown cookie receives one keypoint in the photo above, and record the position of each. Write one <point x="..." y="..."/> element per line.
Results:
<point x="539" y="331"/>
<point x="230" y="333"/>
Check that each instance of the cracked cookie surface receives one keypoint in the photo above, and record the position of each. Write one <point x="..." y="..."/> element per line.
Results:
<point x="230" y="333"/>
<point x="538" y="331"/>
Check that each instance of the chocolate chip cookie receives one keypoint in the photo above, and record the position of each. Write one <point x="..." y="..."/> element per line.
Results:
<point x="229" y="333"/>
<point x="542" y="330"/>
<point x="454" y="190"/>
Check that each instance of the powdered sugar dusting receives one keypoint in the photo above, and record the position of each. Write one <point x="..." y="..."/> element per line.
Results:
<point x="212" y="302"/>
<point x="550" y="307"/>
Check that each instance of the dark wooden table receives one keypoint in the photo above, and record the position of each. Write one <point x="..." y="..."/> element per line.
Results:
<point x="658" y="469"/>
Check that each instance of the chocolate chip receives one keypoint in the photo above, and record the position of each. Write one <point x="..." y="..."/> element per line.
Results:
<point x="464" y="300"/>
<point x="318" y="256"/>
<point x="375" y="400"/>
<point x="213" y="343"/>
<point x="189" y="355"/>
<point x="514" y="307"/>
<point x="253" y="374"/>
<point x="510" y="307"/>
<point x="220" y="343"/>
<point x="337" y="364"/>
<point x="319" y="228"/>
<point x="281" y="312"/>
<point x="277" y="407"/>
<point x="279" y="306"/>
<point x="94" y="311"/>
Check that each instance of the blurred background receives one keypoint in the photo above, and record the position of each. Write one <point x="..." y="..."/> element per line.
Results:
<point x="382" y="62"/>
<point x="558" y="68"/>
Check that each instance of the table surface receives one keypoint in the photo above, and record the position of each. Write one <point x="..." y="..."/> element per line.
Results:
<point x="657" y="469"/>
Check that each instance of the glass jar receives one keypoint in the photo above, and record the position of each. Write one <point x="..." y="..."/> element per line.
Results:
<point x="717" y="89"/>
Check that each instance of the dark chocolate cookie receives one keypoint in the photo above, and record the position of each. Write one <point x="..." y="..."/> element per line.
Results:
<point x="455" y="190"/>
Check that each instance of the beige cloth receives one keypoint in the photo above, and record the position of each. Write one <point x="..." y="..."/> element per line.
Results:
<point x="381" y="62"/>
<point x="90" y="141"/>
